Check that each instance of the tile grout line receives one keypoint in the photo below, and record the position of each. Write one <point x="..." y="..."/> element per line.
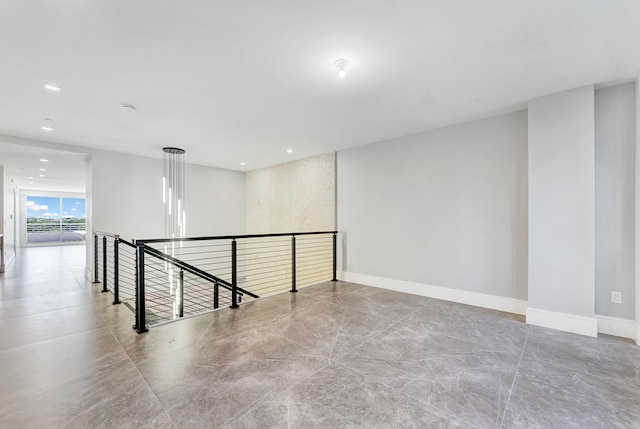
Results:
<point x="331" y="361"/>
<point x="143" y="378"/>
<point x="405" y="394"/>
<point x="105" y="322"/>
<point x="515" y="376"/>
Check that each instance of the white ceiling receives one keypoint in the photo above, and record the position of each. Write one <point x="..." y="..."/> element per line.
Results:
<point x="64" y="171"/>
<point x="242" y="81"/>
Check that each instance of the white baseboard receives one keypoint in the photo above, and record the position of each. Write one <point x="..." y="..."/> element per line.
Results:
<point x="509" y="305"/>
<point x="562" y="321"/>
<point x="615" y="326"/>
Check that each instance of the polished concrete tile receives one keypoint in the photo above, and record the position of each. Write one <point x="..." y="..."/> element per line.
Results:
<point x="546" y="396"/>
<point x="45" y="364"/>
<point x="605" y="356"/>
<point x="336" y="397"/>
<point x="42" y="303"/>
<point x="114" y="396"/>
<point x="461" y="377"/>
<point x="332" y="355"/>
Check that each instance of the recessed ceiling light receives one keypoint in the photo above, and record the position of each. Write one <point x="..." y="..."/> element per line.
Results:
<point x="289" y="150"/>
<point x="46" y="128"/>
<point x="30" y="178"/>
<point x="243" y="163"/>
<point x="41" y="175"/>
<point x="53" y="88"/>
<point x="44" y="160"/>
<point x="43" y="169"/>
<point x="129" y="108"/>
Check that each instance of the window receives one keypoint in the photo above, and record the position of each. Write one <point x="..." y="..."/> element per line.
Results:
<point x="55" y="219"/>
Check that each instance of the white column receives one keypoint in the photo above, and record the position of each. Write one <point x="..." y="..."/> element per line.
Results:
<point x="637" y="236"/>
<point x="562" y="212"/>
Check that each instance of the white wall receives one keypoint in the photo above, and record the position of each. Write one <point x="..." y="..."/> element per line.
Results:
<point x="445" y="208"/>
<point x="126" y="197"/>
<point x="561" y="210"/>
<point x="215" y="201"/>
<point x="8" y="212"/>
<point x="615" y="155"/>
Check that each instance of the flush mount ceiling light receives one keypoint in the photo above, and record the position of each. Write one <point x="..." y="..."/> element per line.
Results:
<point x="289" y="150"/>
<point x="243" y="163"/>
<point x="129" y="108"/>
<point x="342" y="64"/>
<point x="44" y="160"/>
<point x="52" y="88"/>
<point x="47" y="125"/>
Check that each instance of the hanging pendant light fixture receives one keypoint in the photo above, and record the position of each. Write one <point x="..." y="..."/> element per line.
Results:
<point x="173" y="191"/>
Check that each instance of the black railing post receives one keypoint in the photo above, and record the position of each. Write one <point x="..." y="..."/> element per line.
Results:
<point x="104" y="264"/>
<point x="95" y="258"/>
<point x="116" y="271"/>
<point x="141" y="323"/>
<point x="216" y="290"/>
<point x="234" y="275"/>
<point x="181" y="286"/>
<point x="335" y="258"/>
<point x="293" y="264"/>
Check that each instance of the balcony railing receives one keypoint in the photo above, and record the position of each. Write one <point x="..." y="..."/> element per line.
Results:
<point x="167" y="279"/>
<point x="55" y="226"/>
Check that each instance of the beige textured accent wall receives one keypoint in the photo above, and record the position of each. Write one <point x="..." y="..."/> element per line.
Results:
<point x="298" y="196"/>
<point x="293" y="197"/>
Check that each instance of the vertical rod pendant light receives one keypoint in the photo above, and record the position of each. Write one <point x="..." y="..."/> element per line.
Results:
<point x="173" y="190"/>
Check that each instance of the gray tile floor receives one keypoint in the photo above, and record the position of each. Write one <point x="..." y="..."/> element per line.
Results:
<point x="334" y="355"/>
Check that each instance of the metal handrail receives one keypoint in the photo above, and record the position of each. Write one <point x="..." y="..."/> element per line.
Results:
<point x="143" y="246"/>
<point x="229" y="237"/>
<point x="195" y="271"/>
<point x="108" y="234"/>
<point x="123" y="241"/>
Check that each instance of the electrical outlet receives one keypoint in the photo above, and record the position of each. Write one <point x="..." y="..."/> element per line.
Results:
<point x="616" y="297"/>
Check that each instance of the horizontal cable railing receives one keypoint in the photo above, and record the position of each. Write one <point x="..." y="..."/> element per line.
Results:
<point x="127" y="275"/>
<point x="167" y="279"/>
<point x="55" y="226"/>
<point x="175" y="289"/>
<point x="266" y="264"/>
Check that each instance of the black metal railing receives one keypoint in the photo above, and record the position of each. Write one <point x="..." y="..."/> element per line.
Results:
<point x="1" y="253"/>
<point x="264" y="263"/>
<point x="173" y="288"/>
<point x="167" y="279"/>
